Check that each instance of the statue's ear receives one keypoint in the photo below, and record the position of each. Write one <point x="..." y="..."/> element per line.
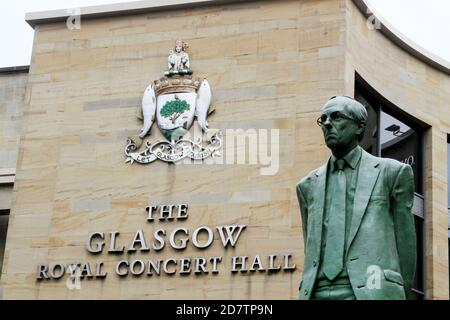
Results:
<point x="361" y="127"/>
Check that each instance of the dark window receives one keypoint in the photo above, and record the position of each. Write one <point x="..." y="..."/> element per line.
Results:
<point x="448" y="202"/>
<point x="448" y="175"/>
<point x="6" y="190"/>
<point x="390" y="133"/>
<point x="401" y="142"/>
<point x="3" y="228"/>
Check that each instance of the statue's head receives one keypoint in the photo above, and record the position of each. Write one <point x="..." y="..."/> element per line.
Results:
<point x="180" y="45"/>
<point x="343" y="121"/>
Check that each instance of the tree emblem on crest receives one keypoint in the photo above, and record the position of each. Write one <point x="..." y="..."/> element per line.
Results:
<point x="175" y="108"/>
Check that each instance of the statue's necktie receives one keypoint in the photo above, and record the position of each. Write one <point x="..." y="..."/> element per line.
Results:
<point x="333" y="260"/>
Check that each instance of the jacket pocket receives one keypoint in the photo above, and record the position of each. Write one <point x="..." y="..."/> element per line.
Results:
<point x="393" y="276"/>
<point x="376" y="198"/>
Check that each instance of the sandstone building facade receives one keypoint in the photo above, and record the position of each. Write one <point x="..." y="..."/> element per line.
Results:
<point x="272" y="65"/>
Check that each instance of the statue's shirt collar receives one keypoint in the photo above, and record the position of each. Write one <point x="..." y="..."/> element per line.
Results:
<point x="351" y="159"/>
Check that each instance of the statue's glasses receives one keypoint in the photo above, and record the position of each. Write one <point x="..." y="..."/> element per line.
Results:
<point x="335" y="116"/>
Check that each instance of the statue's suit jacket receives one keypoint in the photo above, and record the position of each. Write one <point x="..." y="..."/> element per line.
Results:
<point x="381" y="244"/>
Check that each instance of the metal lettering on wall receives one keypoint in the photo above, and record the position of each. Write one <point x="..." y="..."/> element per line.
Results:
<point x="180" y="238"/>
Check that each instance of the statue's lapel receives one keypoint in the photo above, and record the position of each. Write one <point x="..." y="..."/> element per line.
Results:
<point x="367" y="176"/>
<point x="319" y="200"/>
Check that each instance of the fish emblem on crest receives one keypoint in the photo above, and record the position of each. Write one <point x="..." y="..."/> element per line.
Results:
<point x="175" y="100"/>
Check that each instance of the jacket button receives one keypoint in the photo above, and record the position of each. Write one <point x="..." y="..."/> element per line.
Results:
<point x="306" y="292"/>
<point x="314" y="263"/>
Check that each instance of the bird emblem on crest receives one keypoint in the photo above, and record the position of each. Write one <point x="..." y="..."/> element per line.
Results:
<point x="175" y="100"/>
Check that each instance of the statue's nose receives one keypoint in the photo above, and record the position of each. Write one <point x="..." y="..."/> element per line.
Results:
<point x="327" y="122"/>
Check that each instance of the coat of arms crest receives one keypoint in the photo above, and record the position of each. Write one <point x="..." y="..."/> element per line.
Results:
<point x="175" y="100"/>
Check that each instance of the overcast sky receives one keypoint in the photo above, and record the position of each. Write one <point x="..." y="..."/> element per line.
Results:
<point x="426" y="22"/>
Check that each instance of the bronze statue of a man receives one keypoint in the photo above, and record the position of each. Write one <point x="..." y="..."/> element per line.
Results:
<point x="358" y="228"/>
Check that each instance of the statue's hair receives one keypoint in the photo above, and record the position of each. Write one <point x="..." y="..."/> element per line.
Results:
<point x="355" y="109"/>
<point x="184" y="45"/>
